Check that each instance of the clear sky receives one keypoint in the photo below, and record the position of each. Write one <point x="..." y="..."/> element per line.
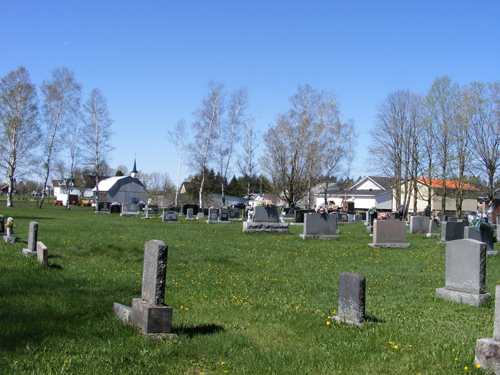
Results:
<point x="153" y="59"/>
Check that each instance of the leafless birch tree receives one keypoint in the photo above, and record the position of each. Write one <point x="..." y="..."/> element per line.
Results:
<point x="20" y="131"/>
<point x="204" y="129"/>
<point x="61" y="98"/>
<point x="96" y="135"/>
<point x="246" y="160"/>
<point x="176" y="137"/>
<point x="228" y="132"/>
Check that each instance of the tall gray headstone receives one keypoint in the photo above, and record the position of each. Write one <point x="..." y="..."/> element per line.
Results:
<point x="351" y="304"/>
<point x="488" y="350"/>
<point x="149" y="312"/>
<point x="433" y="228"/>
<point x="465" y="272"/>
<point x="32" y="239"/>
<point x="189" y="214"/>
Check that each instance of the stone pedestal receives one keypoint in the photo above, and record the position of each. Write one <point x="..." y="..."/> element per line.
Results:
<point x="151" y="318"/>
<point x="488" y="350"/>
<point x="265" y="227"/>
<point x="351" y="306"/>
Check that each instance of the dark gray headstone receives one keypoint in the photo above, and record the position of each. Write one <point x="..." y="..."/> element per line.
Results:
<point x="2" y="224"/>
<point x="154" y="272"/>
<point x="234" y="213"/>
<point x="169" y="216"/>
<point x="321" y="226"/>
<point x="453" y="230"/>
<point x="213" y="214"/>
<point x="351" y="307"/>
<point x="33" y="236"/>
<point x="300" y="214"/>
<point x="224" y="214"/>
<point x="481" y="235"/>
<point x="185" y="207"/>
<point x="267" y="215"/>
<point x="103" y="207"/>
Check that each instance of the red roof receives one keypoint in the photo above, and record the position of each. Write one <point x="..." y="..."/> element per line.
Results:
<point x="450" y="184"/>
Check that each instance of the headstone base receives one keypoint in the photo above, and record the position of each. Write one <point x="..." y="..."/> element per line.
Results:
<point x="147" y="218"/>
<point x="429" y="235"/>
<point x="491" y="253"/>
<point x="151" y="318"/>
<point x="348" y="322"/>
<point x="265" y="227"/>
<point x="462" y="297"/>
<point x="389" y="245"/>
<point x="488" y="354"/>
<point x="9" y="239"/>
<point x="217" y="222"/>
<point x="318" y="237"/>
<point x="297" y="224"/>
<point x="29" y="253"/>
<point x="129" y="215"/>
<point x="416" y="231"/>
<point x="123" y="312"/>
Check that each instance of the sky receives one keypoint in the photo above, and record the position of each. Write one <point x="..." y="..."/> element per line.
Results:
<point x="153" y="60"/>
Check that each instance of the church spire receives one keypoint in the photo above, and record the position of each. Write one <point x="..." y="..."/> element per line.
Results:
<point x="134" y="172"/>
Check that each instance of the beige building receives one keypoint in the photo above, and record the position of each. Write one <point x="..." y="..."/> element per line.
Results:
<point x="469" y="203"/>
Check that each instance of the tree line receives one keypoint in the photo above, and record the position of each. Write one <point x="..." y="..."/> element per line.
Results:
<point x="307" y="145"/>
<point x="34" y="133"/>
<point x="452" y="133"/>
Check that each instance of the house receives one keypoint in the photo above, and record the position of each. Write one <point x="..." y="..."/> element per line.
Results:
<point x="367" y="193"/>
<point x="122" y="189"/>
<point x="61" y="193"/>
<point x="331" y="194"/>
<point x="469" y="203"/>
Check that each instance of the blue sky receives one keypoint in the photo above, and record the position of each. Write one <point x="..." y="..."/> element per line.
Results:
<point x="153" y="59"/>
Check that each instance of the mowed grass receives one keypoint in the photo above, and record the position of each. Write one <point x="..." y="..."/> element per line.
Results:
<point x="243" y="304"/>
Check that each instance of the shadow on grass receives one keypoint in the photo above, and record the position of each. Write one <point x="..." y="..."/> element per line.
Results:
<point x="373" y="319"/>
<point x="199" y="330"/>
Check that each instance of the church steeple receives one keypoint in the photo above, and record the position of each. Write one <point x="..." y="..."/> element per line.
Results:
<point x="134" y="172"/>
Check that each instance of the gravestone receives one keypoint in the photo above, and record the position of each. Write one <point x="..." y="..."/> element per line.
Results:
<point x="189" y="214"/>
<point x="433" y="228"/>
<point x="42" y="253"/>
<point x="9" y="231"/>
<point x="130" y="209"/>
<point x="224" y="214"/>
<point x="351" y="304"/>
<point x="152" y="210"/>
<point x="213" y="215"/>
<point x="389" y="233"/>
<point x="465" y="272"/>
<point x="419" y="224"/>
<point x="200" y="216"/>
<point x="2" y="224"/>
<point x="32" y="239"/>
<point x="115" y="208"/>
<point x="351" y="218"/>
<point x="358" y="217"/>
<point x="169" y="217"/>
<point x="205" y="211"/>
<point x="149" y="313"/>
<point x="234" y="214"/>
<point x="481" y="235"/>
<point x="488" y="350"/>
<point x="452" y="230"/>
<point x="265" y="220"/>
<point x="185" y="207"/>
<point x="103" y="208"/>
<point x="300" y="215"/>
<point x="450" y="218"/>
<point x="320" y="226"/>
<point x="498" y="227"/>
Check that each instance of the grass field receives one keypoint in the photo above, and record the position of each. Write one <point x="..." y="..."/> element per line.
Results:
<point x="243" y="304"/>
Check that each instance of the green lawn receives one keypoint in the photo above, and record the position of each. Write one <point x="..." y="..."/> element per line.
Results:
<point x="243" y="304"/>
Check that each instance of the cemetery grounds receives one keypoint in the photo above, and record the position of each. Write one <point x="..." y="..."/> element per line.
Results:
<point x="243" y="304"/>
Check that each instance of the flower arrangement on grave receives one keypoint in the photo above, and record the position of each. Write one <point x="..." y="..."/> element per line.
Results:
<point x="266" y="204"/>
<point x="383" y="216"/>
<point x="9" y="223"/>
<point x="321" y="210"/>
<point x="480" y="221"/>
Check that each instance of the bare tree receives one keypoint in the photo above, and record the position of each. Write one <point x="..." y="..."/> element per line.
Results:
<point x="204" y="129"/>
<point x="72" y="144"/>
<point x="486" y="128"/>
<point x="176" y="137"/>
<point x="441" y="108"/>
<point x="246" y="160"/>
<point x="61" y="98"/>
<point x="20" y="131"/>
<point x="96" y="135"/>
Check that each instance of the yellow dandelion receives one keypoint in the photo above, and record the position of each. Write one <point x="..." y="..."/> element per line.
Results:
<point x="327" y="323"/>
<point x="478" y="365"/>
<point x="465" y="368"/>
<point x="396" y="347"/>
